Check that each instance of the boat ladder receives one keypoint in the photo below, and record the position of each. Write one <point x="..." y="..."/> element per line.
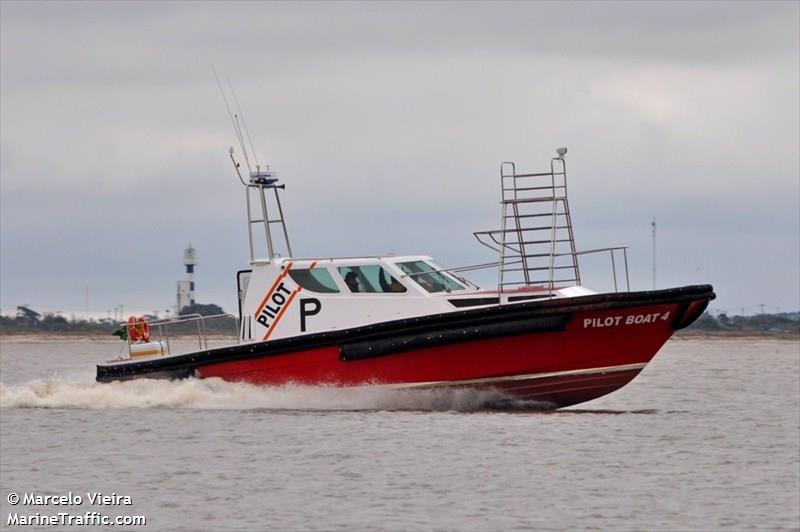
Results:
<point x="535" y="242"/>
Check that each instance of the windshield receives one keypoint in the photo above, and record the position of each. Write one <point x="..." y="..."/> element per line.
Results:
<point x="428" y="278"/>
<point x="371" y="278"/>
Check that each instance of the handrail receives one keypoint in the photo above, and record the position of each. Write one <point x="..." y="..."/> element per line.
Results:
<point x="597" y="250"/>
<point x="611" y="251"/>
<point x="491" y="234"/>
<point x="179" y="319"/>
<point x="488" y="265"/>
<point x="162" y="326"/>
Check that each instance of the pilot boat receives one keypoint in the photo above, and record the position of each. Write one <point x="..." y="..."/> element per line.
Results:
<point x="408" y="322"/>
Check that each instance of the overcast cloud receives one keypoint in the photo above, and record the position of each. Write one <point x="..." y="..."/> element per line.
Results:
<point x="387" y="122"/>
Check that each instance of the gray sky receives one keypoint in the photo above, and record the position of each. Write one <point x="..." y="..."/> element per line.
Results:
<point x="387" y="122"/>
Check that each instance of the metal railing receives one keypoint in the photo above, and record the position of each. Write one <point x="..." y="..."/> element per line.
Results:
<point x="611" y="251"/>
<point x="165" y="330"/>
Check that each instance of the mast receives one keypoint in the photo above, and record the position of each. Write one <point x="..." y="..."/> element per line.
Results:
<point x="263" y="209"/>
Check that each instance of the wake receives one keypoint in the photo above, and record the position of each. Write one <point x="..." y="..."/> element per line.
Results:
<point x="216" y="394"/>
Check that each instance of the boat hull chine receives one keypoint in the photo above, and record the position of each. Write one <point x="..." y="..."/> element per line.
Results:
<point x="570" y="389"/>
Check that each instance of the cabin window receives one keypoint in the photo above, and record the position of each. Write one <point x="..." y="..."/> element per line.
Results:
<point x="371" y="279"/>
<point x="428" y="278"/>
<point x="314" y="280"/>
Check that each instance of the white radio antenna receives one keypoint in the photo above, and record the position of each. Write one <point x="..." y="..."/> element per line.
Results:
<point x="241" y="141"/>
<point x="244" y="122"/>
<point x="653" y="225"/>
<point x="234" y="120"/>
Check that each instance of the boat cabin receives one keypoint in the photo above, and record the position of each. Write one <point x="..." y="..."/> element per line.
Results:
<point x="286" y="297"/>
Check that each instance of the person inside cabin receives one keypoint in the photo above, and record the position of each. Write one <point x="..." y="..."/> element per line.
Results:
<point x="351" y="280"/>
<point x="392" y="285"/>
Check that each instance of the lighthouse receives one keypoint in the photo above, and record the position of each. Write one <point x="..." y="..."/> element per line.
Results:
<point x="186" y="286"/>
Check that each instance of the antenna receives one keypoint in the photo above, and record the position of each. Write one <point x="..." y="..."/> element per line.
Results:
<point x="236" y="166"/>
<point x="244" y="122"/>
<point x="653" y="224"/>
<point x="257" y="182"/>
<point x="241" y="143"/>
<point x="234" y="119"/>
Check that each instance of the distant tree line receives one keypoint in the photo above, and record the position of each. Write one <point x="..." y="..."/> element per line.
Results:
<point x="209" y="309"/>
<point x="30" y="321"/>
<point x="786" y="322"/>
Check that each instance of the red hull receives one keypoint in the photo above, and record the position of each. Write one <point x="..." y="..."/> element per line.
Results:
<point x="561" y="368"/>
<point x="558" y="352"/>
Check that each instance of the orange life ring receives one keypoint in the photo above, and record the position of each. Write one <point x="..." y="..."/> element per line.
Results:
<point x="138" y="329"/>
<point x="133" y="332"/>
<point x="145" y="329"/>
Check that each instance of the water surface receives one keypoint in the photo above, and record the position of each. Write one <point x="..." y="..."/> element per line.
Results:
<point x="707" y="437"/>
